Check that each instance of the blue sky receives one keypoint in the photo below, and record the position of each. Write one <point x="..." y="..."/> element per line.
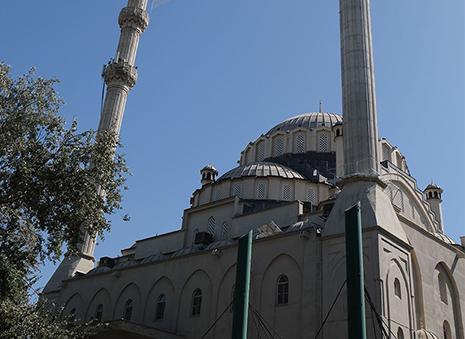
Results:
<point x="215" y="74"/>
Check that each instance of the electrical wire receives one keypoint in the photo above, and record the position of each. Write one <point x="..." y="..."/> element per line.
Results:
<point x="368" y="297"/>
<point x="217" y="319"/>
<point x="329" y="312"/>
<point x="263" y="319"/>
<point x="255" y="322"/>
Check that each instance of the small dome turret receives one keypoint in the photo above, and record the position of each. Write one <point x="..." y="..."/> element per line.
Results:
<point x="433" y="191"/>
<point x="434" y="196"/>
<point x="209" y="174"/>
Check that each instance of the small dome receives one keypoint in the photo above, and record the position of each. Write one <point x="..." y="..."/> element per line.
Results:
<point x="424" y="334"/>
<point x="124" y="264"/>
<point x="153" y="258"/>
<point x="262" y="169"/>
<point x="185" y="251"/>
<point x="220" y="243"/>
<point x="432" y="186"/>
<point x="307" y="120"/>
<point x="97" y="270"/>
<point x="301" y="225"/>
<point x="209" y="167"/>
<point x="445" y="238"/>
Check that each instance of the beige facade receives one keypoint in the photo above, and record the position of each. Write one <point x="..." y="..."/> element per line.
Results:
<point x="415" y="274"/>
<point x="291" y="187"/>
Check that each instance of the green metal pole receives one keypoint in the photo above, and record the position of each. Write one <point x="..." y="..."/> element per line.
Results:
<point x="241" y="291"/>
<point x="355" y="278"/>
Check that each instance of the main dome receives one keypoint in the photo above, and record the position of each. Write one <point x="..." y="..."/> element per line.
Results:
<point x="308" y="120"/>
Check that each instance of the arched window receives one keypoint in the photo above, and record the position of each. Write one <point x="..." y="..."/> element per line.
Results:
<point x="128" y="310"/>
<point x="442" y="288"/>
<point x="446" y="330"/>
<point x="196" y="302"/>
<point x="286" y="192"/>
<point x="412" y="209"/>
<point x="98" y="313"/>
<point x="217" y="195"/>
<point x="72" y="315"/>
<point x="338" y="132"/>
<point x="238" y="190"/>
<point x="161" y="302"/>
<point x="261" y="151"/>
<point x="323" y="142"/>
<point x="311" y="195"/>
<point x="194" y="234"/>
<point x="397" y="289"/>
<point x="248" y="156"/>
<point x="386" y="152"/>
<point x="300" y="143"/>
<point x="224" y="230"/>
<point x="278" y="146"/>
<point x="400" y="334"/>
<point x="282" y="290"/>
<point x="397" y="198"/>
<point x="261" y="190"/>
<point x="211" y="225"/>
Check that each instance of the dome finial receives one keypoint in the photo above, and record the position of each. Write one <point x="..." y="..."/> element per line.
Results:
<point x="320" y="111"/>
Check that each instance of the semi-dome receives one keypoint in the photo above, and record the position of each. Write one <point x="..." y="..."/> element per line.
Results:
<point x="262" y="169"/>
<point x="307" y="120"/>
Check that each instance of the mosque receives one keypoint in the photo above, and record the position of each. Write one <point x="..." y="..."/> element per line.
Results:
<point x="291" y="188"/>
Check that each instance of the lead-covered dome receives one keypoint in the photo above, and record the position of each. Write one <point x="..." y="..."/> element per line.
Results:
<point x="262" y="169"/>
<point x="308" y="120"/>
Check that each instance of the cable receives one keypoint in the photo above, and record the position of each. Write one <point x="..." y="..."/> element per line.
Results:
<point x="255" y="322"/>
<point x="329" y="312"/>
<point x="263" y="319"/>
<point x="217" y="319"/>
<point x="367" y="294"/>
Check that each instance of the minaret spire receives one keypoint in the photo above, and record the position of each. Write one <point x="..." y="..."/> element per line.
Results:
<point x="358" y="89"/>
<point x="120" y="76"/>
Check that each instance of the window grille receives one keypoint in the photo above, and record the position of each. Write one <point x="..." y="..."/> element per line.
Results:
<point x="311" y="195"/>
<point x="248" y="156"/>
<point x="261" y="151"/>
<point x="385" y="152"/>
<point x="211" y="225"/>
<point x="300" y="143"/>
<point x="412" y="209"/>
<point x="238" y="190"/>
<point x="98" y="313"/>
<point x="128" y="310"/>
<point x="282" y="290"/>
<point x="286" y="192"/>
<point x="196" y="302"/>
<point x="202" y="198"/>
<point x="261" y="191"/>
<point x="217" y="195"/>
<point x="224" y="230"/>
<point x="161" y="302"/>
<point x="278" y="146"/>
<point x="442" y="289"/>
<point x="397" y="199"/>
<point x="323" y="142"/>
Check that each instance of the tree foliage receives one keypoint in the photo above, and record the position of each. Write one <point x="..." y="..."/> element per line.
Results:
<point x="51" y="179"/>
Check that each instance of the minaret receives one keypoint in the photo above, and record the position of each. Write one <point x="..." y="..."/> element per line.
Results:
<point x="120" y="76"/>
<point x="433" y="195"/>
<point x="358" y="89"/>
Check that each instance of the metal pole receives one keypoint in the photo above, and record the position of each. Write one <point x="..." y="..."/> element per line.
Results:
<point x="355" y="276"/>
<point x="241" y="291"/>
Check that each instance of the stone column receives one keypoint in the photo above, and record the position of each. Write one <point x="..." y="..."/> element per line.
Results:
<point x="358" y="89"/>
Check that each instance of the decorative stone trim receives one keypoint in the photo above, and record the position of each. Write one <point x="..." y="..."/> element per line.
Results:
<point x="133" y="17"/>
<point x="121" y="71"/>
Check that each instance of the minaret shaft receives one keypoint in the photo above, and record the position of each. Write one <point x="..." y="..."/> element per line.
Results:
<point x="120" y="76"/>
<point x="358" y="89"/>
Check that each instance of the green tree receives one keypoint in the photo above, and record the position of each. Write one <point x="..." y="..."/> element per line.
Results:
<point x="49" y="181"/>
